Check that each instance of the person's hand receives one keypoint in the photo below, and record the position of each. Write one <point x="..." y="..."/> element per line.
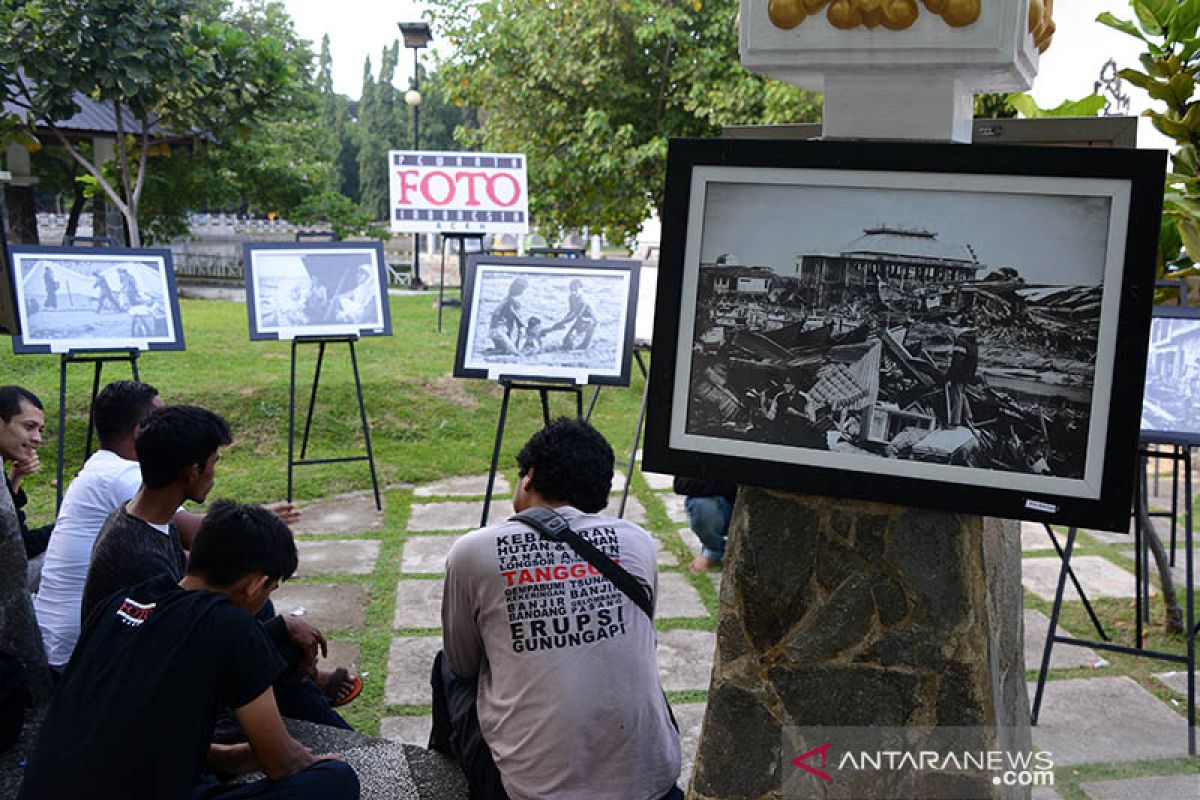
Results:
<point x="26" y="466"/>
<point x="286" y="511"/>
<point x="308" y="639"/>
<point x="329" y="757"/>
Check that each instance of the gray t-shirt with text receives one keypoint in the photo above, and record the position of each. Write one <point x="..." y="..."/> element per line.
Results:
<point x="569" y="697"/>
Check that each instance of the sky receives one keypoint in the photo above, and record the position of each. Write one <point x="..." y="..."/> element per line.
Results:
<point x="361" y="28"/>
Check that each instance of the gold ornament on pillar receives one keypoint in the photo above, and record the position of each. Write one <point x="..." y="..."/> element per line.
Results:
<point x="894" y="15"/>
<point x="1041" y="23"/>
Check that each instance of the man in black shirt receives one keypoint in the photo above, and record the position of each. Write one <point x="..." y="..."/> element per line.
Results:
<point x="177" y="449"/>
<point x="134" y="712"/>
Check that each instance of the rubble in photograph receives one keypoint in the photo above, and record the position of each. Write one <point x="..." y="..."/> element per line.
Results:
<point x="896" y="349"/>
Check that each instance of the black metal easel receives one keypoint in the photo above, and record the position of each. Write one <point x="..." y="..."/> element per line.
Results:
<point x="98" y="360"/>
<point x="638" y="352"/>
<point x="543" y="390"/>
<point x="461" y="238"/>
<point x="293" y="462"/>
<point x="1182" y="454"/>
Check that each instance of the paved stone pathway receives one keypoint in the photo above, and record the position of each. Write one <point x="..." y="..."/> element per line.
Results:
<point x="1101" y="719"/>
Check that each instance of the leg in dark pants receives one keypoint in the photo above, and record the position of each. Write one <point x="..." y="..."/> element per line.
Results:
<point x="300" y="699"/>
<point x="324" y="780"/>
<point x="456" y="732"/>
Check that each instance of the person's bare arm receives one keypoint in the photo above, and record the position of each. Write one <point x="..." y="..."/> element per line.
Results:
<point x="286" y="511"/>
<point x="187" y="523"/>
<point x="278" y="754"/>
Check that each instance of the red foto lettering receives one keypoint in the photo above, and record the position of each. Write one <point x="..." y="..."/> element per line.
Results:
<point x="442" y="188"/>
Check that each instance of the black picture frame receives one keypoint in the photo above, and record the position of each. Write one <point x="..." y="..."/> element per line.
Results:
<point x="1171" y="398"/>
<point x="610" y="288"/>
<point x="762" y="194"/>
<point x="62" y="306"/>
<point x="316" y="289"/>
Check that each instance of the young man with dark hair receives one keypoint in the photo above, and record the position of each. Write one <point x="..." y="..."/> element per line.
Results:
<point x="22" y="420"/>
<point x="133" y="715"/>
<point x="177" y="450"/>
<point x="544" y="656"/>
<point x="108" y="478"/>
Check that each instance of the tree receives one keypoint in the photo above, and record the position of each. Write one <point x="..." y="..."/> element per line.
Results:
<point x="337" y="112"/>
<point x="173" y="69"/>
<point x="591" y="91"/>
<point x="381" y="129"/>
<point x="1170" y="70"/>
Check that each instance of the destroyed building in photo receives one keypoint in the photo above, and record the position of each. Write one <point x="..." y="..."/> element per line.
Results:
<point x="903" y="344"/>
<point x="1169" y="403"/>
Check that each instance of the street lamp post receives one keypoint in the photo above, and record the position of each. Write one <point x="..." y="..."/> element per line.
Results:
<point x="416" y="35"/>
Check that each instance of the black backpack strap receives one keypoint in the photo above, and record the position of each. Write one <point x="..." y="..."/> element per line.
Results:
<point x="553" y="526"/>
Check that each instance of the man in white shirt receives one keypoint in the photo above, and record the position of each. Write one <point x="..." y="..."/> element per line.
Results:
<point x="108" y="478"/>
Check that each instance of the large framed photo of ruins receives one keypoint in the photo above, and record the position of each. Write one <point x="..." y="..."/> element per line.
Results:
<point x="946" y="326"/>
<point x="1171" y="400"/>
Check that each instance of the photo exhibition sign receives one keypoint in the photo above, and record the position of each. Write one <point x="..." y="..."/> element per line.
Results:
<point x="442" y="192"/>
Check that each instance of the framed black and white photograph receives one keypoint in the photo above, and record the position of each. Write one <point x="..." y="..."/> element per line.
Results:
<point x="316" y="289"/>
<point x="1171" y="400"/>
<point x="547" y="319"/>
<point x="85" y="299"/>
<point x="944" y="326"/>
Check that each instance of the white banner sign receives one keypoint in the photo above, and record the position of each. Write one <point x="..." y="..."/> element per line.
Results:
<point x="435" y="192"/>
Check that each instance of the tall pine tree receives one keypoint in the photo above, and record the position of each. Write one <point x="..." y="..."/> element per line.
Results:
<point x="336" y="118"/>
<point x="381" y="129"/>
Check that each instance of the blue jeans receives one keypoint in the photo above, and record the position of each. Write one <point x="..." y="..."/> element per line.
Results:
<point x="324" y="780"/>
<point x="709" y="519"/>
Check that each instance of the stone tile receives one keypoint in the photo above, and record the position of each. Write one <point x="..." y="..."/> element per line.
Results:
<point x="685" y="659"/>
<point x="1034" y="537"/>
<point x="658" y="481"/>
<point x="418" y="604"/>
<point x="409" y="661"/>
<point x="690" y="717"/>
<point x="634" y="511"/>
<point x="426" y="553"/>
<point x="691" y="540"/>
<point x="677" y="597"/>
<point x="346" y="515"/>
<point x="663" y="556"/>
<point x="716" y="579"/>
<point x="1098" y="576"/>
<point x="342" y="654"/>
<point x="468" y="486"/>
<point x="1177" y="681"/>
<point x="1108" y="537"/>
<point x="1063" y="656"/>
<point x="337" y="557"/>
<point x="407" y="730"/>
<point x="1173" y="787"/>
<point x="1044" y="793"/>
<point x="327" y="606"/>
<point x="675" y="510"/>
<point x="455" y="515"/>
<point x="1106" y="720"/>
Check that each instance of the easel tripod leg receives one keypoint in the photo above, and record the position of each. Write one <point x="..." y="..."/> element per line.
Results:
<point x="291" y="422"/>
<point x="362" y="414"/>
<point x="1087" y="604"/>
<point x="62" y="423"/>
<point x="1053" y="629"/>
<point x="312" y="398"/>
<point x="491" y="482"/>
<point x="98" y="367"/>
<point x="637" y="437"/>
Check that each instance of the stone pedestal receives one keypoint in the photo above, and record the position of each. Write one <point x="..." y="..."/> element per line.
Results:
<point x="840" y="613"/>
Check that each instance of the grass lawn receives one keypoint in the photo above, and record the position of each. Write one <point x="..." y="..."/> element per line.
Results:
<point x="424" y="423"/>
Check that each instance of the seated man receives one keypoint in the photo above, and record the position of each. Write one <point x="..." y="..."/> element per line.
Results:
<point x="544" y="657"/>
<point x="22" y="420"/>
<point x="109" y="477"/>
<point x="177" y="450"/>
<point x="133" y="715"/>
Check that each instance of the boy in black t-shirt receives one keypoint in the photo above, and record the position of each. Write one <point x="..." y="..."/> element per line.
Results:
<point x="135" y="710"/>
